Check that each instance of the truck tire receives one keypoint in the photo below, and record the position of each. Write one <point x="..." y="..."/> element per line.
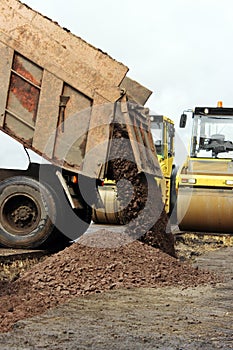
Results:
<point x="27" y="213"/>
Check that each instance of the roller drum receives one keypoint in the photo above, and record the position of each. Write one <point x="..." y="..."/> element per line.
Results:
<point x="205" y="210"/>
<point x="110" y="213"/>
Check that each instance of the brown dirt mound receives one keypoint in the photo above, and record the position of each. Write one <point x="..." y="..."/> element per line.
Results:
<point x="81" y="270"/>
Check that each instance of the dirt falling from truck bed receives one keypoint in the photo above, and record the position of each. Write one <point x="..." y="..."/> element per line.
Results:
<point x="140" y="197"/>
<point x="81" y="270"/>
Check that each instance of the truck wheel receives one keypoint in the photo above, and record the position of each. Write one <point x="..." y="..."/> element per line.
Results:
<point x="27" y="213"/>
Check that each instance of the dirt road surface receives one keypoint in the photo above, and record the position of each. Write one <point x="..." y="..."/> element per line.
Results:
<point x="176" y="318"/>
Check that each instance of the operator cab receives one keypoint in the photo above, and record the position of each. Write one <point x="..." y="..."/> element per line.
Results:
<point x="163" y="132"/>
<point x="212" y="133"/>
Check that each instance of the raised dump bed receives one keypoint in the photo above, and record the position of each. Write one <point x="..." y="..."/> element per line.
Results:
<point x="49" y="75"/>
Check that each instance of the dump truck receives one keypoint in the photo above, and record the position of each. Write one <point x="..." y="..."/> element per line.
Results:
<point x="163" y="133"/>
<point x="63" y="99"/>
<point x="205" y="180"/>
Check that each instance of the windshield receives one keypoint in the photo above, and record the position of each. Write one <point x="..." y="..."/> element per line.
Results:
<point x="163" y="135"/>
<point x="212" y="136"/>
<point x="157" y="134"/>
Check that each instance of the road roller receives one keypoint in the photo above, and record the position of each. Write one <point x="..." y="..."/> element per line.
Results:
<point x="205" y="180"/>
<point x="163" y="133"/>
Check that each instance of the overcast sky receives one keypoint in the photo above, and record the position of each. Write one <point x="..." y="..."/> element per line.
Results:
<point x="180" y="49"/>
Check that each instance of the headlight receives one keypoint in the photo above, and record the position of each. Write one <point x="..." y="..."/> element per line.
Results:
<point x="229" y="182"/>
<point x="191" y="181"/>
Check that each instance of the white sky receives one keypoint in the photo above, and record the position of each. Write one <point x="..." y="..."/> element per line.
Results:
<point x="180" y="49"/>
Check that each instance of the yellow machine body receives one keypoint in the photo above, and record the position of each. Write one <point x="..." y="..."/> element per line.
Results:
<point x="205" y="183"/>
<point x="205" y="196"/>
<point x="166" y="154"/>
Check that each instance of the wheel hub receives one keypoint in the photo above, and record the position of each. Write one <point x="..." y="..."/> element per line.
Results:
<point x="22" y="214"/>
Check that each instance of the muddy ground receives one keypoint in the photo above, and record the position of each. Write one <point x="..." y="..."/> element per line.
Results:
<point x="168" y="317"/>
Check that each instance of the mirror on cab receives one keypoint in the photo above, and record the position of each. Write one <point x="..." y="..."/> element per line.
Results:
<point x="183" y="120"/>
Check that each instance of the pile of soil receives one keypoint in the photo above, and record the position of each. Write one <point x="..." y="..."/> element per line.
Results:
<point x="82" y="269"/>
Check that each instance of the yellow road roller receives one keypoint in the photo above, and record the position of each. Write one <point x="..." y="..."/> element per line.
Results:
<point x="205" y="181"/>
<point x="163" y="133"/>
